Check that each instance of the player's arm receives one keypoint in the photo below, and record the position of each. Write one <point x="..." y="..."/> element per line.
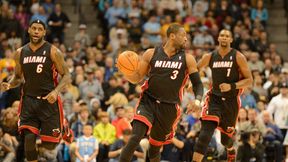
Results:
<point x="204" y="61"/>
<point x="58" y="60"/>
<point x="245" y="71"/>
<point x="197" y="85"/>
<point x="142" y="69"/>
<point x="194" y="77"/>
<point x="17" y="78"/>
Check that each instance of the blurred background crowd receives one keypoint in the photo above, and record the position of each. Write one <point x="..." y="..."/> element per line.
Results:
<point x="99" y="103"/>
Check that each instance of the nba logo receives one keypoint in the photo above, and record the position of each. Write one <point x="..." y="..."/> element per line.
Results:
<point x="230" y="57"/>
<point x="44" y="52"/>
<point x="179" y="57"/>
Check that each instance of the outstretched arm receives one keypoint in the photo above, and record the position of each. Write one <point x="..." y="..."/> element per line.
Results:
<point x="142" y="69"/>
<point x="17" y="78"/>
<point x="58" y="60"/>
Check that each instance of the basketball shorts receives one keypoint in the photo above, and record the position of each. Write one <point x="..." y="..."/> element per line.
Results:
<point x="161" y="119"/>
<point x="222" y="110"/>
<point x="41" y="118"/>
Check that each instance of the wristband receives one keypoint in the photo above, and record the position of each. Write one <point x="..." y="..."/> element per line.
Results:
<point x="197" y="102"/>
<point x="233" y="86"/>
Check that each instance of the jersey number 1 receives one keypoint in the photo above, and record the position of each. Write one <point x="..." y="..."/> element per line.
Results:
<point x="228" y="72"/>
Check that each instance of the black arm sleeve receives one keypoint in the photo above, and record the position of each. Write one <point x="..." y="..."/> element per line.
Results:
<point x="197" y="85"/>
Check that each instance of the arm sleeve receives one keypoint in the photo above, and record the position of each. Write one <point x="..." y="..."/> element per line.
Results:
<point x="197" y="85"/>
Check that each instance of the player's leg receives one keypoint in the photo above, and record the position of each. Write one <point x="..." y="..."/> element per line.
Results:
<point x="228" y="143"/>
<point x="142" y="123"/>
<point x="31" y="153"/>
<point x="138" y="132"/>
<point x="51" y="117"/>
<point x="28" y="127"/>
<point x="206" y="133"/>
<point x="154" y="153"/>
<point x="164" y="126"/>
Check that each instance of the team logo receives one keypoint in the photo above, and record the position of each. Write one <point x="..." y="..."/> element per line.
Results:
<point x="138" y="112"/>
<point x="180" y="57"/>
<point x="44" y="52"/>
<point x="230" y="129"/>
<point x="56" y="132"/>
<point x="230" y="57"/>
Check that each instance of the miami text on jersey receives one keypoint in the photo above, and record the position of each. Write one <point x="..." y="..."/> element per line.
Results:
<point x="222" y="64"/>
<point x="168" y="64"/>
<point x="34" y="59"/>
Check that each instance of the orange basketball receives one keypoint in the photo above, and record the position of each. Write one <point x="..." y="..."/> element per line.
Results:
<point x="127" y="62"/>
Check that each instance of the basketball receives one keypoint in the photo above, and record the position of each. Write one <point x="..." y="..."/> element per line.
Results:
<point x="127" y="62"/>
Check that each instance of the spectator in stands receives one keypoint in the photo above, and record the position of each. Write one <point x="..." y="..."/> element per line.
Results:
<point x="172" y="152"/>
<point x="83" y="120"/>
<point x="7" y="65"/>
<point x="87" y="146"/>
<point x="203" y="38"/>
<point x="57" y="22"/>
<point x="152" y="29"/>
<point x="255" y="62"/>
<point x="116" y="147"/>
<point x="251" y="148"/>
<point x="90" y="88"/>
<point x="114" y="12"/>
<point x="22" y="17"/>
<point x="118" y="100"/>
<point x="105" y="133"/>
<point x="268" y="69"/>
<point x="110" y="68"/>
<point x="278" y="107"/>
<point x="260" y="12"/>
<point x="6" y="148"/>
<point x="125" y="122"/>
<point x="48" y="6"/>
<point x="258" y="87"/>
<point x="247" y="99"/>
<point x="82" y="36"/>
<point x="273" y="138"/>
<point x="254" y="122"/>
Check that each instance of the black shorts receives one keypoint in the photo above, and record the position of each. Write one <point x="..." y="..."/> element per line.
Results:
<point x="161" y="118"/>
<point x="41" y="118"/>
<point x="222" y="110"/>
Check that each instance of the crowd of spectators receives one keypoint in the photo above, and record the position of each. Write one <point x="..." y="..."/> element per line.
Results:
<point x="99" y="103"/>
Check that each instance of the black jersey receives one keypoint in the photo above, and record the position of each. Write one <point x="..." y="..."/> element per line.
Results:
<point x="167" y="76"/>
<point x="38" y="69"/>
<point x="224" y="70"/>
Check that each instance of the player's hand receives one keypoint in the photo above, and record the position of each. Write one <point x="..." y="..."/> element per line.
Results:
<point x="51" y="97"/>
<point x="193" y="106"/>
<point x="224" y="87"/>
<point x="4" y="86"/>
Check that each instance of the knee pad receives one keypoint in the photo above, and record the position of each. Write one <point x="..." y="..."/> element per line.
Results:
<point x="30" y="145"/>
<point x="154" y="151"/>
<point x="206" y="133"/>
<point x="49" y="145"/>
<point x="226" y="141"/>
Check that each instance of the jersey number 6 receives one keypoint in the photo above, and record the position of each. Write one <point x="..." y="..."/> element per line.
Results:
<point x="39" y="68"/>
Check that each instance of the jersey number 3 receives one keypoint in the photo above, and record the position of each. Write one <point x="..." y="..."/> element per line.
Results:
<point x="39" y="68"/>
<point x="174" y="74"/>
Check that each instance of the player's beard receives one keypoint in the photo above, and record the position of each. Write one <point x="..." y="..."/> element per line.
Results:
<point x="224" y="44"/>
<point x="39" y="40"/>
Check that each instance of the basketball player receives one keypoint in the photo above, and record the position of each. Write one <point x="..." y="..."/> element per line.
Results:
<point x="157" y="113"/>
<point x="230" y="74"/>
<point x="40" y="113"/>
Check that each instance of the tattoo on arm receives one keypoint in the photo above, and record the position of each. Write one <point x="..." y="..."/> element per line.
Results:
<point x="58" y="60"/>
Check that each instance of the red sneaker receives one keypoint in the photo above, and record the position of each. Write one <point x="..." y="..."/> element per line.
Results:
<point x="231" y="156"/>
